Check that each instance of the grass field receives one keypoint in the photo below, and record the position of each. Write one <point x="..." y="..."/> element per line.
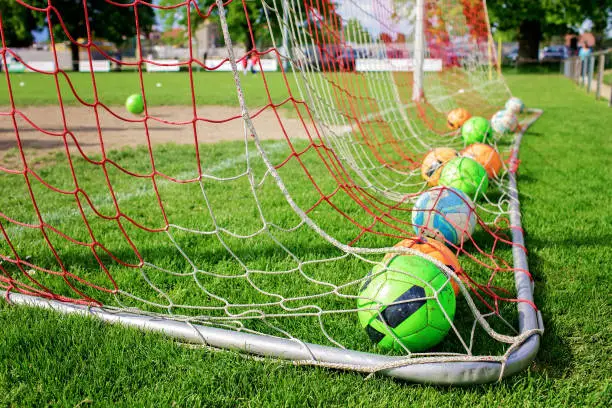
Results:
<point x="114" y="88"/>
<point x="46" y="359"/>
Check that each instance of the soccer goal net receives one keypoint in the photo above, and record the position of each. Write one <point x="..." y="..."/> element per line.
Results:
<point x="271" y="196"/>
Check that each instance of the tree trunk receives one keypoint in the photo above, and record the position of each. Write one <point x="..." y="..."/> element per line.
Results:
<point x="74" y="48"/>
<point x="248" y="44"/>
<point x="530" y="34"/>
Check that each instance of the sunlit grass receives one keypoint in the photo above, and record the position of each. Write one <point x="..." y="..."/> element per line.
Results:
<point x="50" y="359"/>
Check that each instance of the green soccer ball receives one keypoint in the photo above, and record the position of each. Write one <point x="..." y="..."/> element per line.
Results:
<point x="476" y="130"/>
<point x="467" y="175"/>
<point x="134" y="104"/>
<point x="418" y="322"/>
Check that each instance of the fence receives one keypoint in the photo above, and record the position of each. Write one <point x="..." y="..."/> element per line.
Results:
<point x="590" y="73"/>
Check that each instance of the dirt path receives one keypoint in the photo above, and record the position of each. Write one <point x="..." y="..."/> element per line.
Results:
<point x="117" y="133"/>
<point x="605" y="90"/>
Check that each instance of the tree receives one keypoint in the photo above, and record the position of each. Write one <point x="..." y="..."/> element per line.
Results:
<point x="532" y="20"/>
<point x="355" y="32"/>
<point x="239" y="25"/>
<point x="175" y="38"/>
<point x="319" y="13"/>
<point x="235" y="16"/>
<point x="17" y="22"/>
<point x="108" y="21"/>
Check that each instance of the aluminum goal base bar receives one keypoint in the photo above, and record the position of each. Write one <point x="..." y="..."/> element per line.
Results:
<point x="470" y="370"/>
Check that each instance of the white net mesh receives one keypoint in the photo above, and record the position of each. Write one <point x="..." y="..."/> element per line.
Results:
<point x="273" y="237"/>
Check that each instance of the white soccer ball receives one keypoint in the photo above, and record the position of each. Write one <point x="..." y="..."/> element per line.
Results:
<point x="515" y="105"/>
<point x="504" y="121"/>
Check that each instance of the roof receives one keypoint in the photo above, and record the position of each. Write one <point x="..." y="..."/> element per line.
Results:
<point x="174" y="33"/>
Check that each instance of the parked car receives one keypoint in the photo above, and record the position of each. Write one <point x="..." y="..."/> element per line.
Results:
<point x="329" y="58"/>
<point x="512" y="56"/>
<point x="346" y="59"/>
<point x="10" y="59"/>
<point x="362" y="53"/>
<point x="554" y="53"/>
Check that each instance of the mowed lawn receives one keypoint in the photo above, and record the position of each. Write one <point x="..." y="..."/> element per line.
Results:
<point x="47" y="359"/>
<point x="216" y="88"/>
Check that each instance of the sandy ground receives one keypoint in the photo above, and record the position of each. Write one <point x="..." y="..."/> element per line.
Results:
<point x="119" y="132"/>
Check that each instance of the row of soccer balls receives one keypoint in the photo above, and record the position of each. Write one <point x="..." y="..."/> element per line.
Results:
<point x="407" y="302"/>
<point x="469" y="170"/>
<point x="478" y="129"/>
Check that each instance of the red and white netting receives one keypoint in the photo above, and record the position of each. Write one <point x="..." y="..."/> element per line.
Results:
<point x="274" y="232"/>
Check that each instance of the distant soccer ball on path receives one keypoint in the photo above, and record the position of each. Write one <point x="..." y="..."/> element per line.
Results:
<point x="457" y="117"/>
<point x="434" y="161"/>
<point x="445" y="214"/>
<point x="398" y="306"/>
<point x="486" y="155"/>
<point x="504" y="121"/>
<point x="467" y="175"/>
<point x="515" y="105"/>
<point x="476" y="130"/>
<point x="134" y="104"/>
<point x="437" y="250"/>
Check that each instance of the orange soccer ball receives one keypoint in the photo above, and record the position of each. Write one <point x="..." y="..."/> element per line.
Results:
<point x="436" y="250"/>
<point x="457" y="117"/>
<point x="486" y="155"/>
<point x="433" y="162"/>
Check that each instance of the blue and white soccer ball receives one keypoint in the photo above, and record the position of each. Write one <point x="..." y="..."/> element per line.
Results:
<point x="504" y="121"/>
<point x="445" y="214"/>
<point x="515" y="105"/>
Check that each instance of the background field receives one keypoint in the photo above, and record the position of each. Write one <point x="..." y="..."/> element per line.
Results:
<point x="160" y="88"/>
<point x="50" y="359"/>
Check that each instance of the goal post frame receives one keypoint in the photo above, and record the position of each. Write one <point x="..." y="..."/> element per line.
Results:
<point x="419" y="51"/>
<point x="461" y="370"/>
<point x="443" y="369"/>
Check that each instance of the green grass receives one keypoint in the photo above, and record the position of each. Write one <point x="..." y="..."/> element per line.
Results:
<point x="46" y="359"/>
<point x="608" y="78"/>
<point x="215" y="88"/>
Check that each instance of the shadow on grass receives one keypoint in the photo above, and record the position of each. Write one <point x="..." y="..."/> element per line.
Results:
<point x="555" y="355"/>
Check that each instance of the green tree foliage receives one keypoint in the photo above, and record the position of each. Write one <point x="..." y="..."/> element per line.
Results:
<point x="355" y="32"/>
<point x="239" y="25"/>
<point x="108" y="21"/>
<point x="235" y="15"/>
<point x="17" y="22"/>
<point x="533" y="20"/>
<point x="321" y="13"/>
<point x="175" y="39"/>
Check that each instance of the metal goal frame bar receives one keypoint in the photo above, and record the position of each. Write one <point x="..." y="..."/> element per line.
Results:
<point x="466" y="370"/>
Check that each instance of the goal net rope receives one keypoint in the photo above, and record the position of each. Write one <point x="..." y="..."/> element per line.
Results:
<point x="274" y="233"/>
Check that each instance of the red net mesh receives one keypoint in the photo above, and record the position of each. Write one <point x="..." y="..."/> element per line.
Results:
<point x="98" y="225"/>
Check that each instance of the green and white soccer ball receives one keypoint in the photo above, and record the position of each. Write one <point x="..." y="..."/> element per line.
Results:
<point x="410" y="304"/>
<point x="467" y="175"/>
<point x="476" y="130"/>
